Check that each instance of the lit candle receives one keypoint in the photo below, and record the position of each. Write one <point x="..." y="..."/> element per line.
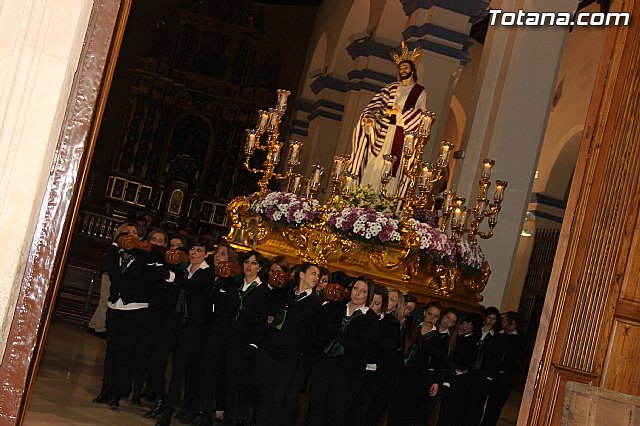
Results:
<point x="425" y="122"/>
<point x="250" y="142"/>
<point x="445" y="150"/>
<point x="455" y="220"/>
<point x="448" y="200"/>
<point x="263" y="119"/>
<point x="274" y="152"/>
<point x="273" y="118"/>
<point x="338" y="167"/>
<point x="486" y="168"/>
<point x="294" y="152"/>
<point x="282" y="99"/>
<point x="409" y="143"/>
<point x="316" y="175"/>
<point x="499" y="194"/>
<point x="484" y="188"/>
<point x="295" y="183"/>
<point x="463" y="218"/>
<point x="426" y="176"/>
<point x="481" y="204"/>
<point x="387" y="168"/>
<point x="349" y="183"/>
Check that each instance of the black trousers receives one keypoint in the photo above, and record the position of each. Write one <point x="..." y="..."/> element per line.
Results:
<point x="369" y="388"/>
<point x="476" y="397"/>
<point x="275" y="377"/>
<point x="181" y="340"/>
<point x="454" y="401"/>
<point x="236" y="359"/>
<point x="411" y="404"/>
<point x="334" y="386"/>
<point x="123" y="331"/>
<point x="300" y="379"/>
<point x="153" y="322"/>
<point x="498" y="395"/>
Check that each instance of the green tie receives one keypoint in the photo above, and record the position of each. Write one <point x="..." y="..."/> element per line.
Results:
<point x="241" y="296"/>
<point x="281" y="316"/>
<point x="336" y="348"/>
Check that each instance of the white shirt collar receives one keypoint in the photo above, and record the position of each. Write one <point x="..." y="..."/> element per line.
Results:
<point x="364" y="309"/>
<point x="203" y="265"/>
<point x="246" y="285"/>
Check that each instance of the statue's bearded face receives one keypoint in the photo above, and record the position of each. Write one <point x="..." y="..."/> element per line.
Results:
<point x="405" y="71"/>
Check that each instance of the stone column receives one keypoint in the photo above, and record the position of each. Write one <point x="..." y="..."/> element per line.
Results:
<point x="513" y="98"/>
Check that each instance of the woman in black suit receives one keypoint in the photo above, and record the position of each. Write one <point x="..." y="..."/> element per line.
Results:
<point x="181" y="331"/>
<point x="134" y="280"/>
<point x="281" y="347"/>
<point x="240" y="318"/>
<point x="348" y="332"/>
<point x="484" y="367"/>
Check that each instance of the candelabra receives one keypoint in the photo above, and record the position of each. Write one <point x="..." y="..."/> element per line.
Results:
<point x="454" y="207"/>
<point x="268" y="123"/>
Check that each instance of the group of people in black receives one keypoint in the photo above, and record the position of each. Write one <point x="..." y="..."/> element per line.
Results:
<point x="244" y="345"/>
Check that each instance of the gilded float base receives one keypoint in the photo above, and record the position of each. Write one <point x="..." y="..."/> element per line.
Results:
<point x="393" y="265"/>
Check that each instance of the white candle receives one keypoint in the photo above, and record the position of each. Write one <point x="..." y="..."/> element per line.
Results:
<point x="273" y="118"/>
<point x="250" y="142"/>
<point x="409" y="143"/>
<point x="486" y="168"/>
<point x="274" y="152"/>
<point x="425" y="122"/>
<point x="282" y="99"/>
<point x="387" y="168"/>
<point x="296" y="182"/>
<point x="445" y="149"/>
<point x="294" y="152"/>
<point x="349" y="182"/>
<point x="500" y="186"/>
<point x="263" y="119"/>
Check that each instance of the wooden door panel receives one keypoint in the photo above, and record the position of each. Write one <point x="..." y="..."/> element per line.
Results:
<point x="622" y="368"/>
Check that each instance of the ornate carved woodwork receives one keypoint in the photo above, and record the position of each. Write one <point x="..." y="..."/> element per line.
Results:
<point x="590" y="328"/>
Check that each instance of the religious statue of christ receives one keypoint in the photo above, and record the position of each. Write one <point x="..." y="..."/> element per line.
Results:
<point x="396" y="109"/>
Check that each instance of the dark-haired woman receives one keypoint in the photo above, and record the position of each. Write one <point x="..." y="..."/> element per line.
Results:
<point x="240" y="320"/>
<point x="416" y="382"/>
<point x="281" y="348"/>
<point x="181" y="331"/>
<point x="195" y="370"/>
<point x="485" y="366"/>
<point x="349" y="332"/>
<point x="379" y="361"/>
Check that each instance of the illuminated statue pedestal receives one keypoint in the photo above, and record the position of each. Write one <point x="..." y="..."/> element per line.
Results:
<point x="402" y="266"/>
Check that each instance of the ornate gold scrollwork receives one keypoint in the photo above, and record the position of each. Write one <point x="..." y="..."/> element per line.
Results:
<point x="315" y="244"/>
<point x="409" y="258"/>
<point x="447" y="277"/>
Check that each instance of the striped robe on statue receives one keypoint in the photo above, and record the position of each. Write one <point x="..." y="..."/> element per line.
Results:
<point x="370" y="143"/>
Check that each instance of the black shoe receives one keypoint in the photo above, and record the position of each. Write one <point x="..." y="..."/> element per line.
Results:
<point x="164" y="419"/>
<point x="114" y="402"/>
<point x="136" y="402"/>
<point x="103" y="398"/>
<point x="156" y="410"/>
<point x="100" y="334"/>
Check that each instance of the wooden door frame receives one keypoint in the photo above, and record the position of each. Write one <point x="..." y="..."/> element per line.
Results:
<point x="58" y="212"/>
<point x="544" y="392"/>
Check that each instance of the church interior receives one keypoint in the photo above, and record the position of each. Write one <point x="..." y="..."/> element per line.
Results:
<point x="183" y="79"/>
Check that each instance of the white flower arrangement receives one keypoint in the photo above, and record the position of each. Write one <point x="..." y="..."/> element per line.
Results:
<point x="433" y="241"/>
<point x="286" y="207"/>
<point x="470" y="255"/>
<point x="372" y="225"/>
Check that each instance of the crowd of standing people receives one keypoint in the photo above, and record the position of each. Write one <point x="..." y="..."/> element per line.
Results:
<point x="244" y="346"/>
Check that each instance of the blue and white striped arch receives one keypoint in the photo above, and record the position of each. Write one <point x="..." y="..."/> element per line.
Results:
<point x="428" y="37"/>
